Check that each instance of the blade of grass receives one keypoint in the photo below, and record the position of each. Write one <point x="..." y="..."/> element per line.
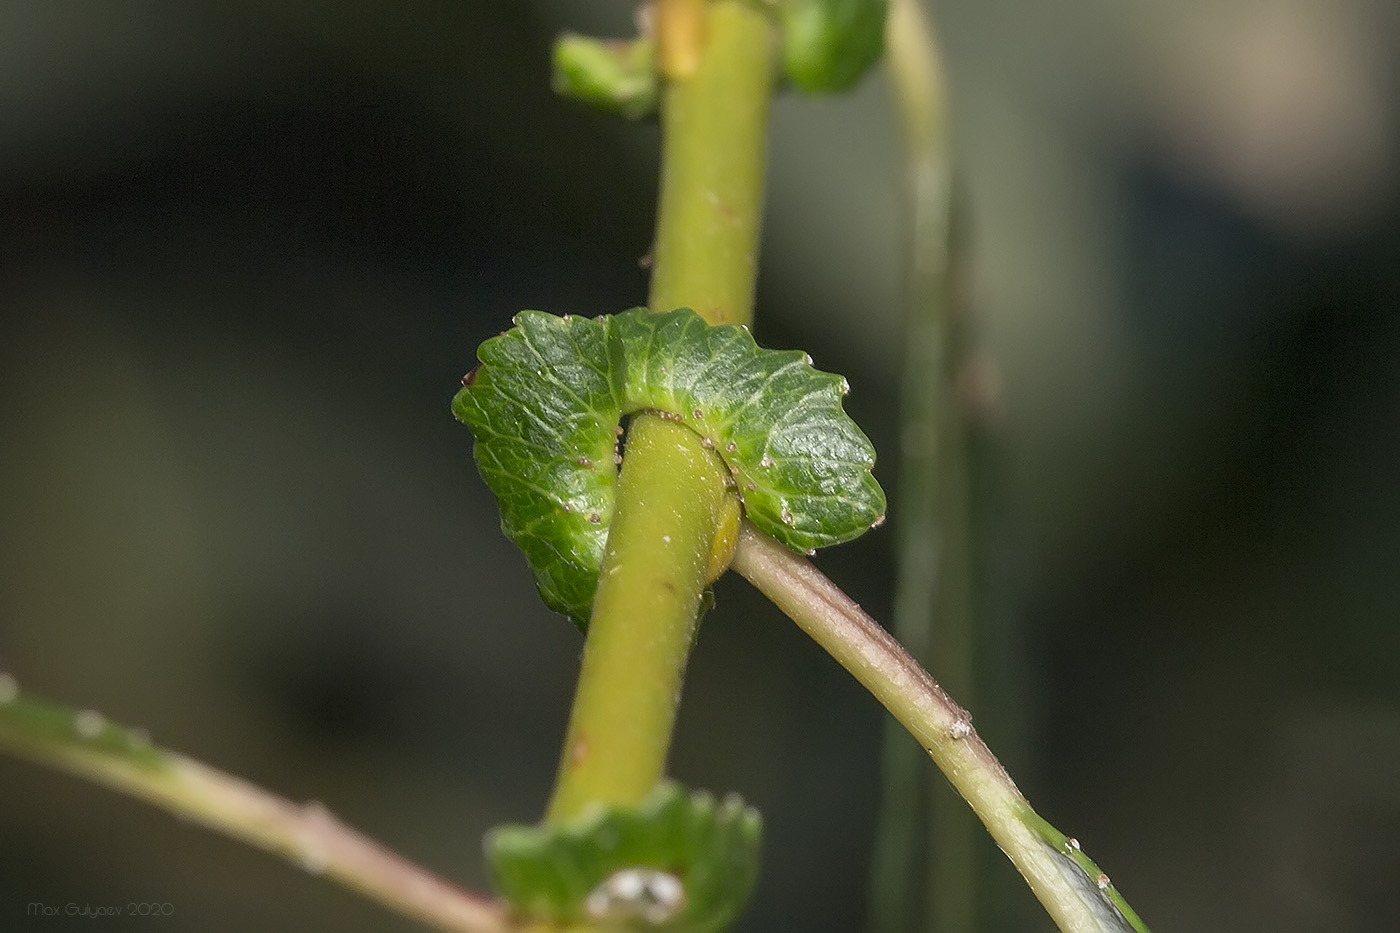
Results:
<point x="932" y="605"/>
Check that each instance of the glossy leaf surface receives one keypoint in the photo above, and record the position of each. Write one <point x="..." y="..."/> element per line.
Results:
<point x="545" y="407"/>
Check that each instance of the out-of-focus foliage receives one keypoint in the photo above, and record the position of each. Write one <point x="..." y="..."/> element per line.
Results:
<point x="829" y="45"/>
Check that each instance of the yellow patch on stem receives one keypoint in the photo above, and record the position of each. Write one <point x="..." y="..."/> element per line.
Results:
<point x="680" y="37"/>
<point x="726" y="539"/>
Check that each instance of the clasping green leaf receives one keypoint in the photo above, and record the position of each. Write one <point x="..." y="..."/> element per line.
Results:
<point x="546" y="403"/>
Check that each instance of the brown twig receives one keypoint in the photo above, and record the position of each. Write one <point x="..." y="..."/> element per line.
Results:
<point x="1077" y="902"/>
<point x="87" y="745"/>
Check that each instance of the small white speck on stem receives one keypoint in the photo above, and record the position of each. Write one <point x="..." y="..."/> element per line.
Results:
<point x="89" y="723"/>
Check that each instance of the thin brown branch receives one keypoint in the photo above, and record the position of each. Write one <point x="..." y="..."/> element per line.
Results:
<point x="942" y="727"/>
<point x="87" y="745"/>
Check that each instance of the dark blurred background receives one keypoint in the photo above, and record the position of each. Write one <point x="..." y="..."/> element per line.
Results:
<point x="247" y="249"/>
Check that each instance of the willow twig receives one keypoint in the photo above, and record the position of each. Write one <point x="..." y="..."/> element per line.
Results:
<point x="85" y="744"/>
<point x="1078" y="897"/>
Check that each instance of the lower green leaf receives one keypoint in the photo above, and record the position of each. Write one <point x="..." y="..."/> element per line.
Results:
<point x="678" y="862"/>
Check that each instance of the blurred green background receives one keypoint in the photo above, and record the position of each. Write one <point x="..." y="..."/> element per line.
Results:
<point x="247" y="249"/>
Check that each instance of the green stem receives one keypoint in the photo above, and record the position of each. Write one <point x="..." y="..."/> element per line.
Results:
<point x="671" y="494"/>
<point x="714" y="148"/>
<point x="932" y="611"/>
<point x="670" y="498"/>
<point x="87" y="745"/>
<point x="1077" y="901"/>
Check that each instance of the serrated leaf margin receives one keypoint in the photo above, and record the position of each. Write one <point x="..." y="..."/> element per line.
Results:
<point x="546" y="401"/>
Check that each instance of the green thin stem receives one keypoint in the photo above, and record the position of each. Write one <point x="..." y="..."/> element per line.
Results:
<point x="932" y="606"/>
<point x="1076" y="901"/>
<point x="85" y="744"/>
<point x="672" y="490"/>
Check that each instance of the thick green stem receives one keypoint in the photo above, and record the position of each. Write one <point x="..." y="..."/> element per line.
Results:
<point x="1079" y="899"/>
<point x="671" y="494"/>
<point x="670" y="498"/>
<point x="714" y="127"/>
<point x="87" y="745"/>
